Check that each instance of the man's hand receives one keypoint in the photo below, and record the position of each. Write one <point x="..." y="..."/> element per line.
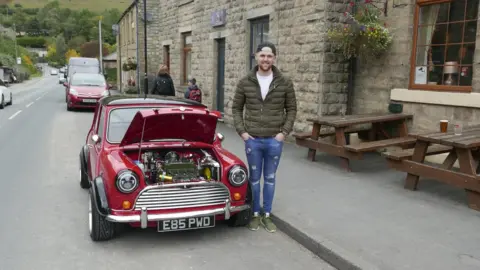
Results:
<point x="245" y="136"/>
<point x="280" y="137"/>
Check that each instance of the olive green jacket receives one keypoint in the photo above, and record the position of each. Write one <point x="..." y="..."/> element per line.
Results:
<point x="266" y="117"/>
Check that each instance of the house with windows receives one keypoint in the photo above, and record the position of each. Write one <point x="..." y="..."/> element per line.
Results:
<point x="430" y="66"/>
<point x="127" y="48"/>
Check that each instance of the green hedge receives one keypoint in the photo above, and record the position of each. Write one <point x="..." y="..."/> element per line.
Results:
<point x="33" y="42"/>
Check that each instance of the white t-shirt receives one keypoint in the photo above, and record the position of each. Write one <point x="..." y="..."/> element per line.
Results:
<point x="264" y="82"/>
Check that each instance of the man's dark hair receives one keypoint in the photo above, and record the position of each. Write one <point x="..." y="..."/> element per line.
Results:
<point x="267" y="44"/>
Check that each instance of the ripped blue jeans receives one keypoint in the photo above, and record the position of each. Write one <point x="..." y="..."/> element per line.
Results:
<point x="263" y="154"/>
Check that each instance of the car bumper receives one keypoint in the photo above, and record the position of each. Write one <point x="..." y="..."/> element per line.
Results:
<point x="145" y="217"/>
<point x="78" y="102"/>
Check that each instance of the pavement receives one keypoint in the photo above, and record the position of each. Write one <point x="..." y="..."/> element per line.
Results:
<point x="365" y="219"/>
<point x="44" y="218"/>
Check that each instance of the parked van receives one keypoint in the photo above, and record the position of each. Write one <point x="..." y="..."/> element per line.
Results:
<point x="82" y="65"/>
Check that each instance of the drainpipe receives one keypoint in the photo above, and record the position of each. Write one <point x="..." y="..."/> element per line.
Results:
<point x="137" y="81"/>
<point x="352" y="70"/>
<point x="119" y="57"/>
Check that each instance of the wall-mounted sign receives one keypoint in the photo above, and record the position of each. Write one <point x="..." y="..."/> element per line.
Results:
<point x="219" y="18"/>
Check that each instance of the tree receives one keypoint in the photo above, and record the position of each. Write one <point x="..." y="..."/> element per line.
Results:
<point x="70" y="53"/>
<point x="91" y="49"/>
<point x="61" y="48"/>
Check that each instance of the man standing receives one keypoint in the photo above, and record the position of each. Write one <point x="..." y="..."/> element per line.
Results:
<point x="270" y="110"/>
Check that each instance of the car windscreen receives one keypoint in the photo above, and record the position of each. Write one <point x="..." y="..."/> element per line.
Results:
<point x="83" y="69"/>
<point x="88" y="80"/>
<point x="119" y="120"/>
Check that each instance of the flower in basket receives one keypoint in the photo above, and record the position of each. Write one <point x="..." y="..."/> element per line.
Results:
<point x="363" y="35"/>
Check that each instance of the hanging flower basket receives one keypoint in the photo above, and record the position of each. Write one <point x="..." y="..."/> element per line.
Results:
<point x="129" y="65"/>
<point x="364" y="35"/>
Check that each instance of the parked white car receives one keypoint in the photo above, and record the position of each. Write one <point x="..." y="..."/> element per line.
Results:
<point x="6" y="97"/>
<point x="61" y="79"/>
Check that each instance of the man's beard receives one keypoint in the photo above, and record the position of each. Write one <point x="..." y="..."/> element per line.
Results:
<point x="263" y="69"/>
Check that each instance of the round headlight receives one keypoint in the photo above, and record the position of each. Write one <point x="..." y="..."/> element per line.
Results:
<point x="127" y="181"/>
<point x="237" y="176"/>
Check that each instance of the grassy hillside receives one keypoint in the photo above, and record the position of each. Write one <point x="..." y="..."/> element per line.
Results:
<point x="93" y="5"/>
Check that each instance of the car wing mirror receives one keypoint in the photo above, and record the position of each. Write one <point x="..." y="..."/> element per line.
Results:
<point x="95" y="138"/>
<point x="220" y="136"/>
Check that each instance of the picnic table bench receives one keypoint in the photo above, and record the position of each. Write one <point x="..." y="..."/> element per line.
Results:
<point x="464" y="147"/>
<point x="350" y="124"/>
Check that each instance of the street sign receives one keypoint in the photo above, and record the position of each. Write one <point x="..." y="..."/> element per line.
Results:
<point x="19" y="61"/>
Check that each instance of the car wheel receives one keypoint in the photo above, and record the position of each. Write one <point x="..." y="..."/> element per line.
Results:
<point x="100" y="229"/>
<point x="84" y="180"/>
<point x="2" y="104"/>
<point x="243" y="218"/>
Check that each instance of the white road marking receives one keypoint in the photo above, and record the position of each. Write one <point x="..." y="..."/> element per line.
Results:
<point x="15" y="114"/>
<point x="29" y="104"/>
<point x="38" y="98"/>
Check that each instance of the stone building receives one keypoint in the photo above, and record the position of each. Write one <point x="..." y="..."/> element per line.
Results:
<point x="213" y="41"/>
<point x="127" y="47"/>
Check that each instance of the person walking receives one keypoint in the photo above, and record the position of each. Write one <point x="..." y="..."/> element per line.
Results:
<point x="193" y="92"/>
<point x="270" y="111"/>
<point x="163" y="84"/>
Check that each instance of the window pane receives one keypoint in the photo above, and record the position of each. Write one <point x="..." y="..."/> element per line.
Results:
<point x="457" y="10"/>
<point x="472" y="10"/>
<point x="455" y="33"/>
<point x="265" y="36"/>
<point x="470" y="31"/>
<point x="188" y="63"/>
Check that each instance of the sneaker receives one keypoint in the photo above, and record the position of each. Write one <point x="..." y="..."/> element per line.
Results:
<point x="268" y="224"/>
<point x="254" y="223"/>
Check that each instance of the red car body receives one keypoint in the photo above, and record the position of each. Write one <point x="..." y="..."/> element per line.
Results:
<point x="84" y="96"/>
<point x="165" y="167"/>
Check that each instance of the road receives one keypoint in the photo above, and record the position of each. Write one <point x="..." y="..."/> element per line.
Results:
<point x="44" y="217"/>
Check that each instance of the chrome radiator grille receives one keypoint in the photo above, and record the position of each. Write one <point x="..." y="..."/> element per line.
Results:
<point x="178" y="196"/>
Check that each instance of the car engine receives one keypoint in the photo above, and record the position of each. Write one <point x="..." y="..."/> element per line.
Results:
<point x="179" y="166"/>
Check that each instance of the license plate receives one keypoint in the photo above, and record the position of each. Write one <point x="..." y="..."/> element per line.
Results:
<point x="90" y="100"/>
<point x="183" y="224"/>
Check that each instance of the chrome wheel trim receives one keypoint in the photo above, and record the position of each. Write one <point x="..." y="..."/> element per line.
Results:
<point x="90" y="222"/>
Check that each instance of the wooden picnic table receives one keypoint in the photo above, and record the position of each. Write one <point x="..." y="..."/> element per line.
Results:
<point x="347" y="125"/>
<point x="464" y="148"/>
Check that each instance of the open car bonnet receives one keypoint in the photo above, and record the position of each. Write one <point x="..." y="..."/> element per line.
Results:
<point x="183" y="123"/>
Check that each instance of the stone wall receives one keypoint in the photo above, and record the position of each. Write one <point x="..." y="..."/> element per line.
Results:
<point x="296" y="27"/>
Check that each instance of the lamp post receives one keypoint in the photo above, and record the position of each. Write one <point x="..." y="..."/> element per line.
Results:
<point x="145" y="45"/>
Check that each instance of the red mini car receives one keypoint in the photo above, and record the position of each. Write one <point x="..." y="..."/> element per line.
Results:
<point x="158" y="162"/>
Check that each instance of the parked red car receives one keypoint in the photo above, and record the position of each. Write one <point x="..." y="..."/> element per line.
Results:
<point x="158" y="162"/>
<point x="83" y="90"/>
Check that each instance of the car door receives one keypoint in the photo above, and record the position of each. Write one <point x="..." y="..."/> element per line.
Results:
<point x="95" y="147"/>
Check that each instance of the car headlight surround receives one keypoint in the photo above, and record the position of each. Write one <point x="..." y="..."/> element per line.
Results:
<point x="105" y="93"/>
<point x="127" y="181"/>
<point x="237" y="176"/>
<point x="73" y="91"/>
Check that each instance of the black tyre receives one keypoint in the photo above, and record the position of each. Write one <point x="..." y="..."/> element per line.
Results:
<point x="100" y="229"/>
<point x="84" y="182"/>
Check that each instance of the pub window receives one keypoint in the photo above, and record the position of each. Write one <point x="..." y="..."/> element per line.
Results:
<point x="258" y="33"/>
<point x="444" y="44"/>
<point x="187" y="57"/>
